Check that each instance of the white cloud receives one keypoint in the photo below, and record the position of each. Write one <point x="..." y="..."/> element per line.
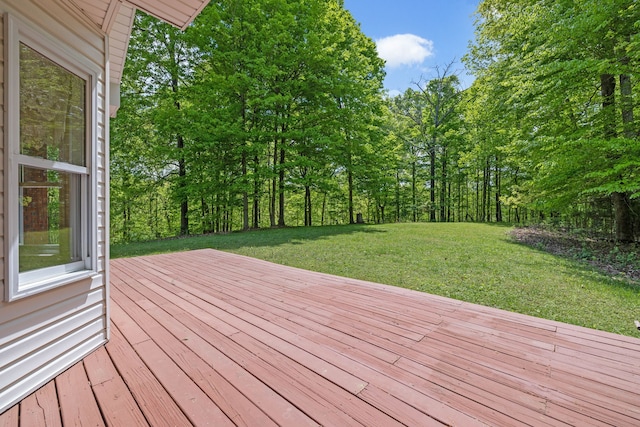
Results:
<point x="404" y="49"/>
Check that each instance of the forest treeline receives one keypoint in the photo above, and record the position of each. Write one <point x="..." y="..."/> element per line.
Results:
<point x="269" y="113"/>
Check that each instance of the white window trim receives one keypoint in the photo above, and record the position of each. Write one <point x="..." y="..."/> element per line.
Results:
<point x="17" y="31"/>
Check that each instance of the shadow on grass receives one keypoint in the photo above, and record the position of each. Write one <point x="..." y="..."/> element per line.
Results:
<point x="254" y="238"/>
<point x="582" y="268"/>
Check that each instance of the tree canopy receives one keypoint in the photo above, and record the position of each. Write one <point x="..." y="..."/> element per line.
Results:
<point x="268" y="113"/>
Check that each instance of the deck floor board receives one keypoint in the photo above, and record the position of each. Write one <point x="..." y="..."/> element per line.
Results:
<point x="206" y="337"/>
<point x="41" y="408"/>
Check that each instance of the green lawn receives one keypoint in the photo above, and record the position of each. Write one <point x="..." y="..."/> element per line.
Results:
<point x="479" y="263"/>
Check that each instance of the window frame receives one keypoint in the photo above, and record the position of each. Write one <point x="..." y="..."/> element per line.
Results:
<point x="19" y="285"/>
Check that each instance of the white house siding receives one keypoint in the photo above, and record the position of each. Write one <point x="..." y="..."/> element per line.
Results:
<point x="119" y="33"/>
<point x="42" y="335"/>
<point x="119" y="30"/>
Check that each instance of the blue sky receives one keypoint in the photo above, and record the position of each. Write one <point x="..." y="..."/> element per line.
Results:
<point x="414" y="36"/>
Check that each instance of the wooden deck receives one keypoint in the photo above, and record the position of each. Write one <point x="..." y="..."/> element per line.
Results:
<point x="210" y="338"/>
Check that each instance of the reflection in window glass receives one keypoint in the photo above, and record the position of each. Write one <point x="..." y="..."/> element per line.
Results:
<point x="49" y="218"/>
<point x="52" y="110"/>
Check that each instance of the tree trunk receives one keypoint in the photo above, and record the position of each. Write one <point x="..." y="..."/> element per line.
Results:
<point x="350" y="184"/>
<point x="203" y="214"/>
<point x="608" y="88"/>
<point x="245" y="192"/>
<point x="307" y="206"/>
<point x="281" y="222"/>
<point x="443" y="187"/>
<point x="478" y="195"/>
<point x="245" y="169"/>
<point x="182" y="170"/>
<point x="488" y="178"/>
<point x="624" y="219"/>
<point x="414" y="197"/>
<point x="256" y="192"/>
<point x="459" y="198"/>
<point x="485" y="191"/>
<point x="182" y="188"/>
<point x="626" y="93"/>
<point x="324" y="208"/>
<point x="498" y="194"/>
<point x="274" y="186"/>
<point x="126" y="215"/>
<point x="397" y="196"/>
<point x="449" y="209"/>
<point x="621" y="201"/>
<point x="432" y="181"/>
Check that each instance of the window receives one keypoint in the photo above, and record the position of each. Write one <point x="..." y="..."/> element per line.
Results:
<point x="50" y="109"/>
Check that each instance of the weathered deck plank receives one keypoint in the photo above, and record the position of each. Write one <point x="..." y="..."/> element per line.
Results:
<point x="77" y="404"/>
<point x="41" y="408"/>
<point x="117" y="404"/>
<point x="207" y="337"/>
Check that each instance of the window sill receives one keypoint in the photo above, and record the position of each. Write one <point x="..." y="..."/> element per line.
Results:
<point x="48" y="284"/>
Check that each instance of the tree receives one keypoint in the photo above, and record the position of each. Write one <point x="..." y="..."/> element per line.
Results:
<point x="409" y="128"/>
<point x="161" y="61"/>
<point x="429" y="112"/>
<point x="226" y="98"/>
<point x="442" y="95"/>
<point x="557" y="64"/>
<point x="356" y="85"/>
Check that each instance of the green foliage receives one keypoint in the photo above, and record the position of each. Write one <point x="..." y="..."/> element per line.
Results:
<point x="426" y="121"/>
<point x="555" y="93"/>
<point x="473" y="262"/>
<point x="266" y="113"/>
<point x="256" y="103"/>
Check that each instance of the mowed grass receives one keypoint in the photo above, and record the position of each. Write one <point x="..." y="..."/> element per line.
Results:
<point x="478" y="263"/>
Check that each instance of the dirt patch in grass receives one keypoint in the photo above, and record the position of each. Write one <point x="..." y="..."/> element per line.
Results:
<point x="612" y="258"/>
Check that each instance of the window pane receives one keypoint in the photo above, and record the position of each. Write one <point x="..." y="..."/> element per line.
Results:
<point x="49" y="218"/>
<point x="52" y="110"/>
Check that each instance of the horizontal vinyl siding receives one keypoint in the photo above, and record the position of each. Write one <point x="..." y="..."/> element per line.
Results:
<point x="42" y="335"/>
